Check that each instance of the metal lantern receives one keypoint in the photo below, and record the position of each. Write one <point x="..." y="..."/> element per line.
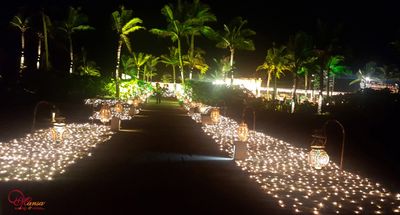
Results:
<point x="215" y="115"/>
<point x="58" y="129"/>
<point x="243" y="132"/>
<point x="135" y="103"/>
<point x="318" y="158"/>
<point x="118" y="107"/>
<point x="105" y="114"/>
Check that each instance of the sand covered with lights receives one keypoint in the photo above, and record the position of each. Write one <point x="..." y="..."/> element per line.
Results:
<point x="38" y="157"/>
<point x="284" y="173"/>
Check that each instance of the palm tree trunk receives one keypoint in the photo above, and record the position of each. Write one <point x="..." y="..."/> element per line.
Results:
<point x="180" y="61"/>
<point x="268" y="80"/>
<point x="333" y="84"/>
<point x="321" y="87"/>
<point x="306" y="83"/>
<point x="117" y="69"/>
<point x="231" y="63"/>
<point x="174" y="76"/>
<point x="46" y="45"/>
<point x="294" y="96"/>
<point x="22" y="63"/>
<point x="327" y="84"/>
<point x="275" y="88"/>
<point x="71" y="55"/>
<point x="191" y="55"/>
<point x="39" y="52"/>
<point x="137" y="72"/>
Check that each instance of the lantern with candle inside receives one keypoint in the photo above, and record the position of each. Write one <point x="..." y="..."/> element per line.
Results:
<point x="215" y="115"/>
<point x="135" y="103"/>
<point x="243" y="132"/>
<point x="318" y="158"/>
<point x="105" y="114"/>
<point x="58" y="129"/>
<point x="118" y="107"/>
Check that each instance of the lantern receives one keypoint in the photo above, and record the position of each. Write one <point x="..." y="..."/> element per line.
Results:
<point x="58" y="129"/>
<point x="215" y="115"/>
<point x="135" y="103"/>
<point x="243" y="132"/>
<point x="118" y="107"/>
<point x="105" y="114"/>
<point x="318" y="158"/>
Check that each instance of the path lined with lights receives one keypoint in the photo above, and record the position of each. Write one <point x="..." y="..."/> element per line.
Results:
<point x="160" y="163"/>
<point x="284" y="173"/>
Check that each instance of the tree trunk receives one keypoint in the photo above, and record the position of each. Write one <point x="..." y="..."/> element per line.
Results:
<point x="39" y="52"/>
<point x="191" y="55"/>
<point x="327" y="84"/>
<point x="294" y="96"/>
<point x="46" y="45"/>
<point x="137" y="72"/>
<point x="306" y="84"/>
<point x="22" y="63"/>
<point x="321" y="87"/>
<point x="71" y="55"/>
<point x="268" y="80"/>
<point x="117" y="69"/>
<point x="174" y="76"/>
<point x="275" y="88"/>
<point x="231" y="63"/>
<point x="180" y="61"/>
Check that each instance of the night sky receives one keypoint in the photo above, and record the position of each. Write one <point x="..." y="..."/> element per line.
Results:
<point x="368" y="28"/>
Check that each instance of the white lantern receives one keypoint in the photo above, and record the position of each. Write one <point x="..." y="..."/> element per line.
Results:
<point x="215" y="115"/>
<point x="118" y="107"/>
<point x="58" y="129"/>
<point x="318" y="157"/>
<point x="243" y="132"/>
<point x="105" y="114"/>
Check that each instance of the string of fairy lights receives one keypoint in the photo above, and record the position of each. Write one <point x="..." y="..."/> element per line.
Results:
<point x="37" y="156"/>
<point x="284" y="173"/>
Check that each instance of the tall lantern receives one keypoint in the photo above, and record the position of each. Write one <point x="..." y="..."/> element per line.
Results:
<point x="215" y="115"/>
<point x="243" y="132"/>
<point x="58" y="129"/>
<point x="318" y="158"/>
<point x="135" y="103"/>
<point x="105" y="114"/>
<point x="118" y="107"/>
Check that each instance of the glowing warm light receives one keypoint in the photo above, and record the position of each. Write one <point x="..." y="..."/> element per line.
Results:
<point x="57" y="131"/>
<point x="318" y="158"/>
<point x="243" y="132"/>
<point x="283" y="172"/>
<point x="118" y="107"/>
<point x="215" y="115"/>
<point x="37" y="157"/>
<point x="105" y="114"/>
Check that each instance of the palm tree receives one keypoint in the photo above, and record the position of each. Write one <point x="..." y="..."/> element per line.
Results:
<point x="275" y="64"/>
<point x="300" y="56"/>
<point x="150" y="68"/>
<point x="196" y="16"/>
<point x="123" y="24"/>
<point x="176" y="30"/>
<point x="138" y="60"/>
<point x="234" y="37"/>
<point x="335" y="67"/>
<point x="173" y="60"/>
<point x="75" y="22"/>
<point x="196" y="61"/>
<point x="22" y="24"/>
<point x="223" y="67"/>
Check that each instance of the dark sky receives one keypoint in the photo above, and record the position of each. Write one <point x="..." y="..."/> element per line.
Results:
<point x="367" y="27"/>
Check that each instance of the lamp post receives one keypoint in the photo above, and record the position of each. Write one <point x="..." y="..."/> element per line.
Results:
<point x="318" y="157"/>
